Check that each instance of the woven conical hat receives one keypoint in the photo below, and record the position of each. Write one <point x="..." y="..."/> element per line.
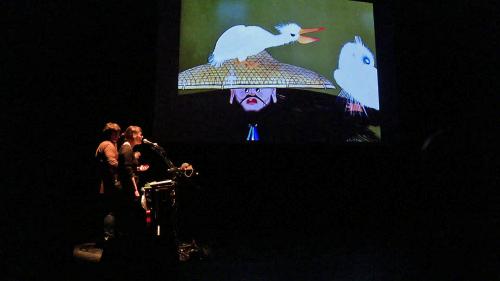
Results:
<point x="262" y="71"/>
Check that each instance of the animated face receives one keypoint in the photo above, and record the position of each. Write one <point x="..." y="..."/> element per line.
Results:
<point x="253" y="99"/>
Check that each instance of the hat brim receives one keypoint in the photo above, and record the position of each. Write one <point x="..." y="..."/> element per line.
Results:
<point x="261" y="71"/>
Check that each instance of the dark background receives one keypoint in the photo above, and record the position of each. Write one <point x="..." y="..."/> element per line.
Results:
<point x="71" y="66"/>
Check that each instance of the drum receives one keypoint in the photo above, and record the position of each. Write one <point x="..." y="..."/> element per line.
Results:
<point x="159" y="202"/>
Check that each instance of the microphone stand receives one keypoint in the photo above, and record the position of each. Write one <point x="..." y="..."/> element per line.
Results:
<point x="159" y="208"/>
<point x="171" y="168"/>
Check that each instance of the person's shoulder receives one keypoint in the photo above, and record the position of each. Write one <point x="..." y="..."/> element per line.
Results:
<point x="105" y="144"/>
<point x="108" y="144"/>
<point x="125" y="148"/>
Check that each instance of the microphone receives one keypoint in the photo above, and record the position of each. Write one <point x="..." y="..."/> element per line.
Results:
<point x="146" y="141"/>
<point x="172" y="170"/>
<point x="177" y="170"/>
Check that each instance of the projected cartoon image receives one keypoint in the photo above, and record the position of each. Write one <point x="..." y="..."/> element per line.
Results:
<point x="239" y="42"/>
<point x="357" y="76"/>
<point x="249" y="72"/>
<point x="252" y="78"/>
<point x="253" y="99"/>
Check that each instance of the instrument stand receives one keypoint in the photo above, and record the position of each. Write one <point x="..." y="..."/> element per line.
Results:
<point x="161" y="207"/>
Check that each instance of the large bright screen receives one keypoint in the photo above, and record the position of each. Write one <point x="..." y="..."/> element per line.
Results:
<point x="274" y="71"/>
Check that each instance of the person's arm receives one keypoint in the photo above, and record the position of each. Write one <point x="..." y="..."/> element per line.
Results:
<point x="136" y="191"/>
<point x="129" y="164"/>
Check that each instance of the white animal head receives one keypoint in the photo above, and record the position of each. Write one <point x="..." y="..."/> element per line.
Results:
<point x="356" y="73"/>
<point x="356" y="55"/>
<point x="292" y="32"/>
<point x="289" y="30"/>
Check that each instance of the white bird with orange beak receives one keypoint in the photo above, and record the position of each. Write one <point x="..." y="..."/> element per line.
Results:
<point x="240" y="41"/>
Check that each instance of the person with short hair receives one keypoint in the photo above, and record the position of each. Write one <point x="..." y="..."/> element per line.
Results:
<point x="106" y="156"/>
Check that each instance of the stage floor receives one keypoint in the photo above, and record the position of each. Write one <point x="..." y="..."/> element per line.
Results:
<point x="263" y="255"/>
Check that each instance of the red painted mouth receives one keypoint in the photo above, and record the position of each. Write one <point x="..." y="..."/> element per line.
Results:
<point x="251" y="101"/>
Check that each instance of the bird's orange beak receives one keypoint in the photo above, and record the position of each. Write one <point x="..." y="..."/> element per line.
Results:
<point x="306" y="39"/>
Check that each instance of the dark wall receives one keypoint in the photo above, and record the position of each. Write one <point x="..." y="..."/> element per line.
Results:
<point x="71" y="68"/>
<point x="74" y="66"/>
